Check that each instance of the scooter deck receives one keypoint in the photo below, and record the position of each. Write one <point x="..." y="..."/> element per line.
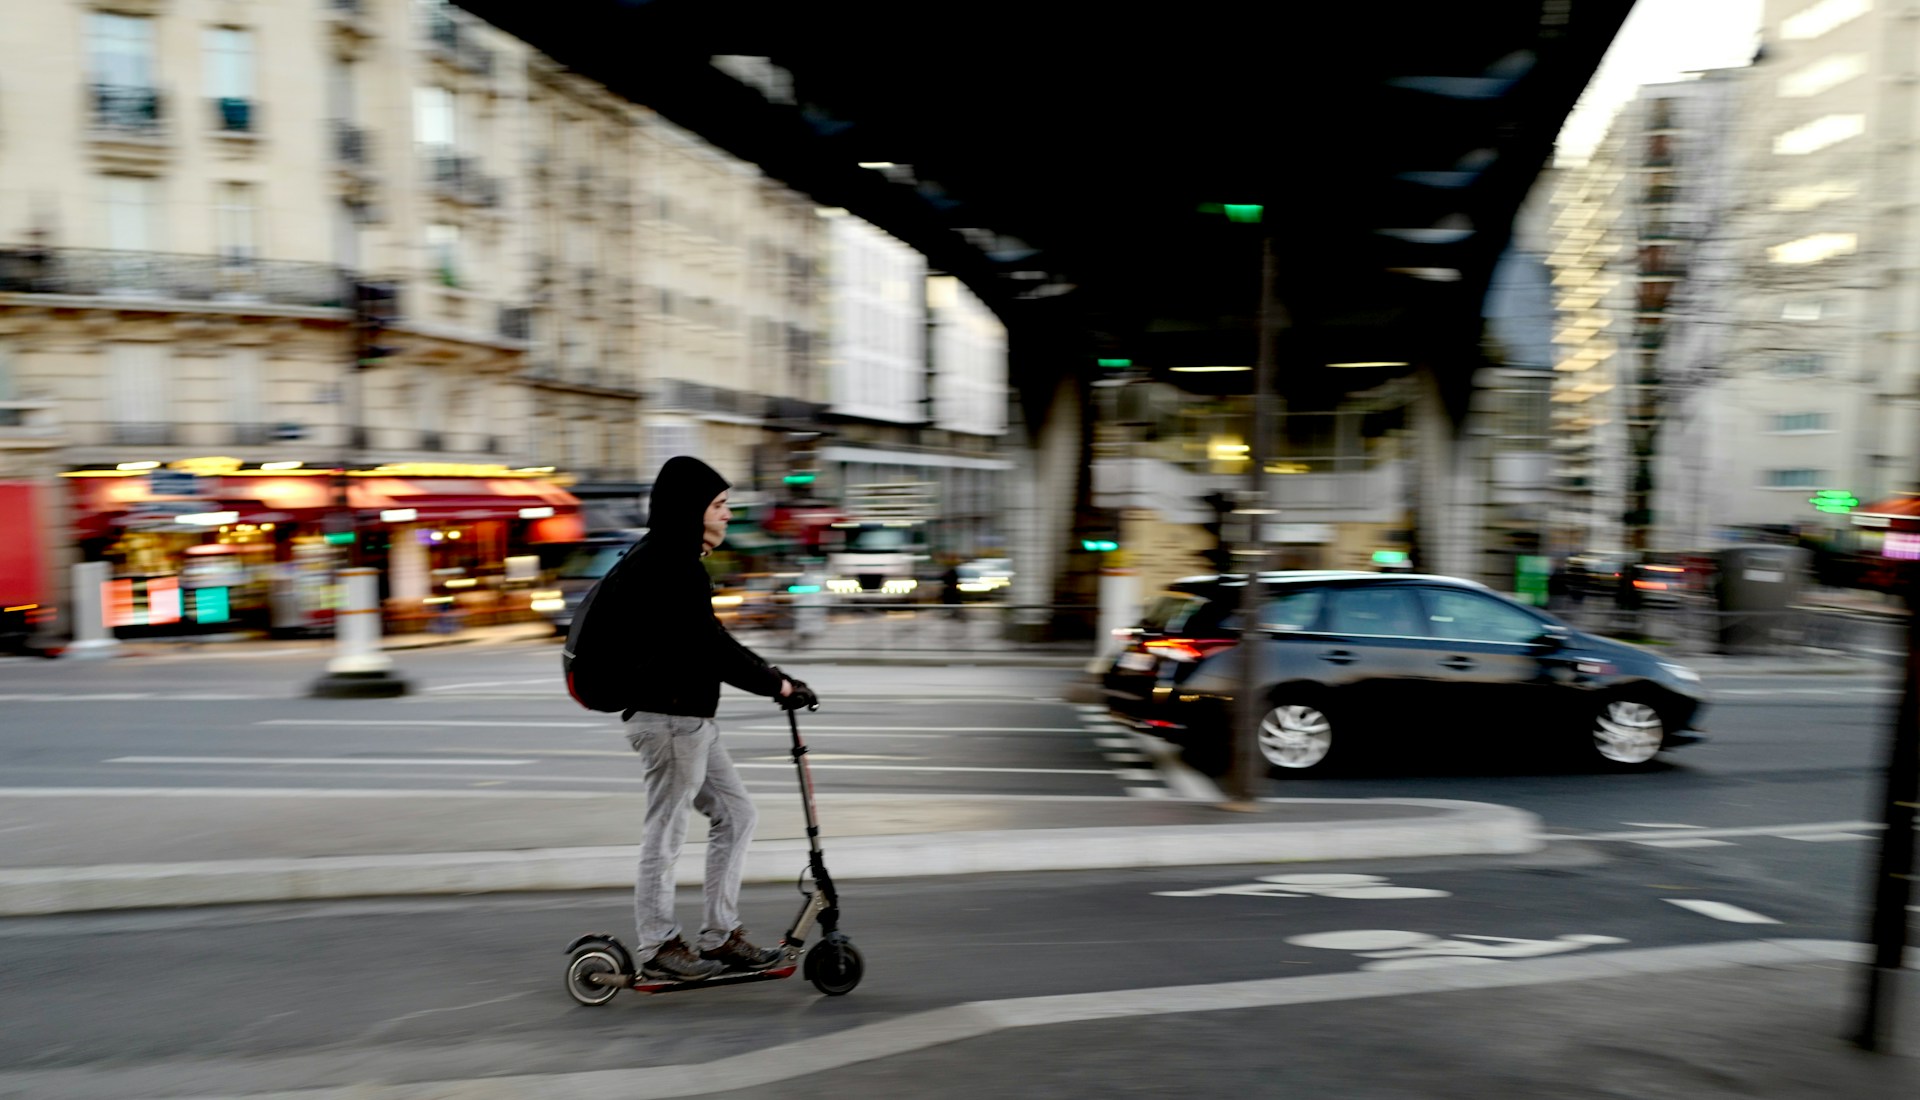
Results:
<point x="738" y="977"/>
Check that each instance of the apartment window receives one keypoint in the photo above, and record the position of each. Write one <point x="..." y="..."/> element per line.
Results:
<point x="1822" y="75"/>
<point x="1813" y="195"/>
<point x="433" y="117"/>
<point x="1802" y="309"/>
<point x="1799" y="422"/>
<point x="1795" y="479"/>
<point x="234" y="214"/>
<point x="122" y="50"/>
<point x="1800" y="366"/>
<point x="137" y="393"/>
<point x="229" y="61"/>
<point x="132" y="203"/>
<point x="1817" y="19"/>
<point x="1819" y="134"/>
<point x="443" y="251"/>
<point x="245" y="387"/>
<point x="1814" y="249"/>
<point x="9" y="417"/>
<point x="122" y="60"/>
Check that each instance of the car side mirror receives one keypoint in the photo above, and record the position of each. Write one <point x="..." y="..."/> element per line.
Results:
<point x="1553" y="637"/>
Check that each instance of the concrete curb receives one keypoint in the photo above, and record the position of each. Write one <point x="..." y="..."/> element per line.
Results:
<point x="1461" y="828"/>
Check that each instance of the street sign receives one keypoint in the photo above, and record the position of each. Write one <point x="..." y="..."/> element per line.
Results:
<point x="173" y="483"/>
<point x="1836" y="501"/>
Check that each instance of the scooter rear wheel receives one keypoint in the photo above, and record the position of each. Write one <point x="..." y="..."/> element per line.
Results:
<point x="583" y="966"/>
<point x="834" y="967"/>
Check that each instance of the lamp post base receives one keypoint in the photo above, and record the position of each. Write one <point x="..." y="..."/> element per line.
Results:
<point x="359" y="685"/>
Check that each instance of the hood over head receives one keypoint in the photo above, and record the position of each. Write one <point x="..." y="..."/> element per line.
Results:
<point x="681" y="493"/>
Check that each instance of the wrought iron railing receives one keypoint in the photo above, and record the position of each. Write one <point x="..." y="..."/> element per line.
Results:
<point x="134" y="433"/>
<point x="175" y="276"/>
<point x="128" y="108"/>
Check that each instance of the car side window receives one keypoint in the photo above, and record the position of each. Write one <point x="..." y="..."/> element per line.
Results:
<point x="1296" y="610"/>
<point x="1472" y="617"/>
<point x="1375" y="610"/>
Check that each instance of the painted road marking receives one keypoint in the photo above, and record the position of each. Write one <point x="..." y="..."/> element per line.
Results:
<point x="1720" y="910"/>
<point x="462" y="792"/>
<point x="1353" y="887"/>
<point x="1661" y="825"/>
<point x="1149" y="792"/>
<point x="433" y="722"/>
<point x="807" y="727"/>
<point x="1686" y="842"/>
<point x="1781" y="831"/>
<point x="450" y="761"/>
<point x="1827" y="838"/>
<point x="906" y="1034"/>
<point x="1393" y="949"/>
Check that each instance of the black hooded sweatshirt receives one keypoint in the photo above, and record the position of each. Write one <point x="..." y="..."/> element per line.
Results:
<point x="679" y="652"/>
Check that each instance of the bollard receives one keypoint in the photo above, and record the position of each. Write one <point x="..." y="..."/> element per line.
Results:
<point x="359" y="668"/>
<point x="91" y="638"/>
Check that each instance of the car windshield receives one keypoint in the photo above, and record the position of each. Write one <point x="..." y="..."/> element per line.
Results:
<point x="590" y="563"/>
<point x="1170" y="612"/>
<point x="880" y="540"/>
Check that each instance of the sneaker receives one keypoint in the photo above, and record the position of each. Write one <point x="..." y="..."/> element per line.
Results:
<point x="737" y="954"/>
<point x="675" y="961"/>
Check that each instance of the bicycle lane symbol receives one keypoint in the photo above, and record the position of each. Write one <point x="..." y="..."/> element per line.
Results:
<point x="1392" y="949"/>
<point x="1355" y="887"/>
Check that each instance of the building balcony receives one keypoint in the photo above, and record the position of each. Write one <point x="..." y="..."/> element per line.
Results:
<point x="127" y="110"/>
<point x="104" y="273"/>
<point x="30" y="422"/>
<point x="459" y="179"/>
<point x="142" y="434"/>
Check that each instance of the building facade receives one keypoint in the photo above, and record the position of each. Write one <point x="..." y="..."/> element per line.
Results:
<point x="583" y="289"/>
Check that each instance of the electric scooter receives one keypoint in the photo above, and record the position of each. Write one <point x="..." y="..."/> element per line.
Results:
<point x="599" y="965"/>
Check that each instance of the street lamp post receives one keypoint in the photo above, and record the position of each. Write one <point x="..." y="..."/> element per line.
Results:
<point x="1253" y="550"/>
<point x="360" y="668"/>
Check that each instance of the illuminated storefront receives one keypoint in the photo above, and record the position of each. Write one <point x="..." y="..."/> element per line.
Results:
<point x="216" y="543"/>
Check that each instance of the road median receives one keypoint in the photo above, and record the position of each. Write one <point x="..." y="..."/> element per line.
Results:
<point x="1169" y="834"/>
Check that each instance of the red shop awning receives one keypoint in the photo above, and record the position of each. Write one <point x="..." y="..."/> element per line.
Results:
<point x="462" y="500"/>
<point x="1901" y="512"/>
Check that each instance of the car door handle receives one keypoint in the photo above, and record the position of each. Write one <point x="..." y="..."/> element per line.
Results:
<point x="1458" y="664"/>
<point x="1338" y="657"/>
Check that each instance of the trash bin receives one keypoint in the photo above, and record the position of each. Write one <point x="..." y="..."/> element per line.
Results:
<point x="1755" y="587"/>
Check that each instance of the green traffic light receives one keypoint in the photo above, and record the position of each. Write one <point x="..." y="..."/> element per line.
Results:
<point x="1116" y="364"/>
<point x="1242" y="212"/>
<point x="798" y="479"/>
<point x="1099" y="546"/>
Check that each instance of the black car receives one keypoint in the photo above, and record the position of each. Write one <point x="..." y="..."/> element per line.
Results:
<point x="1350" y="662"/>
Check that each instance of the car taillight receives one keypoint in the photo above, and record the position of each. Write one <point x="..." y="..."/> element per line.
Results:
<point x="1189" y="649"/>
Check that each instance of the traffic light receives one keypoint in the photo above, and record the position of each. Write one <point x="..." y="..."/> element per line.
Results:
<point x="376" y="305"/>
<point x="1100" y="546"/>
<point x="1220" y="555"/>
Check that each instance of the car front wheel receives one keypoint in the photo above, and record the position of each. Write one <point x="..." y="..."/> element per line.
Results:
<point x="1627" y="733"/>
<point x="1295" y="737"/>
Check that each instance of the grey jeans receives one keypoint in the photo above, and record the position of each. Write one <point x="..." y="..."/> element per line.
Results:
<point x="685" y="766"/>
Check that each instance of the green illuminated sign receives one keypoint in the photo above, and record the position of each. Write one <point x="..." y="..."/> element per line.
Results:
<point x="1242" y="212"/>
<point x="803" y="589"/>
<point x="1389" y="557"/>
<point x="798" y="479"/>
<point x="1116" y="364"/>
<point x="1837" y="501"/>
<point x="1099" y="546"/>
<point x="340" y="538"/>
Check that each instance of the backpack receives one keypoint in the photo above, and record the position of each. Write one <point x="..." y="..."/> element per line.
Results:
<point x="587" y="659"/>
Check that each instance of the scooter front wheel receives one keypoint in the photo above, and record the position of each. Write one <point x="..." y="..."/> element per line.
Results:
<point x="587" y="964"/>
<point x="834" y="967"/>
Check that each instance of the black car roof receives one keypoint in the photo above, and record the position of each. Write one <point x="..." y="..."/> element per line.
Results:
<point x="1318" y="576"/>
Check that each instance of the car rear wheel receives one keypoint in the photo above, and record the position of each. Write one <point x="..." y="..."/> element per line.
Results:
<point x="1627" y="733"/>
<point x="1295" y="737"/>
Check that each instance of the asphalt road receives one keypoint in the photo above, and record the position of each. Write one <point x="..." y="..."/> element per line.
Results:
<point x="1761" y="832"/>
